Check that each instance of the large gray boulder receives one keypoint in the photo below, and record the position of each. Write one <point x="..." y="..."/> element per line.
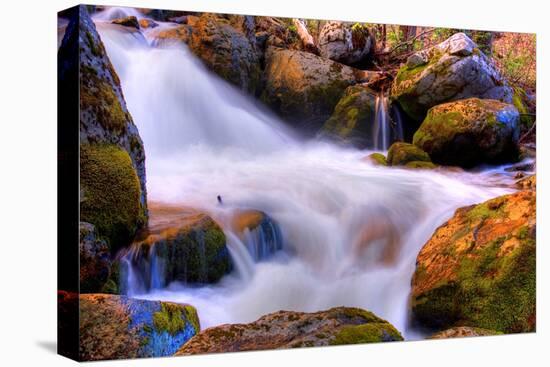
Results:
<point x="452" y="70"/>
<point x="345" y="42"/>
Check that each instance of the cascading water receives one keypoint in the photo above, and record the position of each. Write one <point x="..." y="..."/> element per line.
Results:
<point x="386" y="129"/>
<point x="350" y="230"/>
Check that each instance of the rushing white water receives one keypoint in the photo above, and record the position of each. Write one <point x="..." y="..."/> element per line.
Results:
<point x="351" y="230"/>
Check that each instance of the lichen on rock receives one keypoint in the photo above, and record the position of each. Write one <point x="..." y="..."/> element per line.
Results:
<point x="290" y="329"/>
<point x="478" y="268"/>
<point x="470" y="132"/>
<point x="353" y="117"/>
<point x="110" y="193"/>
<point x="452" y="70"/>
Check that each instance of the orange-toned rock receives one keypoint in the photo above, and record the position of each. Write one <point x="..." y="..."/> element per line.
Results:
<point x="527" y="183"/>
<point x="478" y="268"/>
<point x="244" y="219"/>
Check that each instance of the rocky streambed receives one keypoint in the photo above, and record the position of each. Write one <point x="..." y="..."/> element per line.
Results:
<point x="232" y="197"/>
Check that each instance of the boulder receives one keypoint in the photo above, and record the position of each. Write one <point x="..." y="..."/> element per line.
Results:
<point x="95" y="261"/>
<point x="353" y="117"/>
<point x="527" y="183"/>
<point x="258" y="231"/>
<point x="104" y="118"/>
<point x="117" y="327"/>
<point x="191" y="249"/>
<point x="401" y="154"/>
<point x="130" y="21"/>
<point x="463" y="332"/>
<point x="145" y="23"/>
<point x="455" y="69"/>
<point x="304" y="88"/>
<point x="378" y="159"/>
<point x="289" y="329"/>
<point x="470" y="132"/>
<point x="180" y="33"/>
<point x="226" y="50"/>
<point x="478" y="268"/>
<point x="110" y="193"/>
<point x="345" y="42"/>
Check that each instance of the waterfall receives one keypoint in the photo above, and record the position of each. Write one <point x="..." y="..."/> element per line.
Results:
<point x="387" y="126"/>
<point x="338" y="216"/>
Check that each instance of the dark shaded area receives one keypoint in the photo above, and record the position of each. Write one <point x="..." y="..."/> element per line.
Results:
<point x="67" y="187"/>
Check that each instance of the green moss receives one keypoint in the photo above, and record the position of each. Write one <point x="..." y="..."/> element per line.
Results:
<point x="352" y="115"/>
<point x="402" y="153"/>
<point x="491" y="291"/>
<point x="111" y="193"/>
<point x="196" y="254"/>
<point x="192" y="317"/>
<point x="518" y="99"/>
<point x="366" y="333"/>
<point x="97" y="94"/>
<point x="357" y="313"/>
<point x="96" y="50"/>
<point x="378" y="159"/>
<point x="420" y="165"/>
<point x="112" y="284"/>
<point x="169" y="318"/>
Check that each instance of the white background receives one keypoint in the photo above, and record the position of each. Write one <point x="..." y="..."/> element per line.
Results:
<point x="28" y="181"/>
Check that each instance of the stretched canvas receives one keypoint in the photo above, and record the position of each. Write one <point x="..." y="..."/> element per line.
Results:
<point x="240" y="183"/>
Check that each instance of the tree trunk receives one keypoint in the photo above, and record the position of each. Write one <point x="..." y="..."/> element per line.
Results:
<point x="305" y="37"/>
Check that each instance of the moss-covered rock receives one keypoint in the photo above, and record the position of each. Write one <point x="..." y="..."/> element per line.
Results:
<point x="463" y="332"/>
<point x="527" y="115"/>
<point x="348" y="43"/>
<point x="304" y="88"/>
<point x="478" y="268"/>
<point x="191" y="250"/>
<point x="289" y="329"/>
<point x="95" y="261"/>
<point x="110" y="193"/>
<point x="401" y="153"/>
<point x="420" y="165"/>
<point x="104" y="117"/>
<point x="227" y="46"/>
<point x="470" y="132"/>
<point x="353" y="117"/>
<point x="455" y="69"/>
<point x="378" y="159"/>
<point x="117" y="327"/>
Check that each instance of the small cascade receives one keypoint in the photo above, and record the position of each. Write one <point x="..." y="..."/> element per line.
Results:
<point x="388" y="125"/>
<point x="263" y="241"/>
